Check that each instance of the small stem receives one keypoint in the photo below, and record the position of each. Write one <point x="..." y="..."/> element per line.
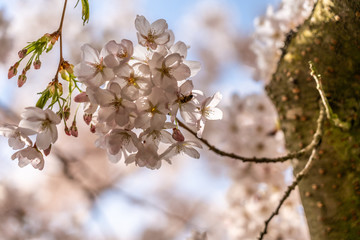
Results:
<point x="329" y="113"/>
<point x="62" y="17"/>
<point x="61" y="47"/>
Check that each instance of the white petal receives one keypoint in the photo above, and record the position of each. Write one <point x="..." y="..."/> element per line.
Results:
<point x="130" y="92"/>
<point x="214" y="114"/>
<point x="215" y="100"/>
<point x="123" y="71"/>
<point x="142" y="25"/>
<point x="194" y="66"/>
<point x="191" y="152"/>
<point x="173" y="60"/>
<point x="43" y="140"/>
<point x="180" y="48"/>
<point x="111" y="61"/>
<point x="186" y="87"/>
<point x="158" y="27"/>
<point x="162" y="38"/>
<point x="16" y="143"/>
<point x="89" y="54"/>
<point x="181" y="73"/>
<point x="122" y="118"/>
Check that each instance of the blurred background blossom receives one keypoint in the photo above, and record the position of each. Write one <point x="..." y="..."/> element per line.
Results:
<point x="81" y="195"/>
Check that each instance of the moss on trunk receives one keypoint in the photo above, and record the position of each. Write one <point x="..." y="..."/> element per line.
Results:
<point x="330" y="38"/>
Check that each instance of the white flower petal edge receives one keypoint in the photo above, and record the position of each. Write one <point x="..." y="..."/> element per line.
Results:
<point x="29" y="155"/>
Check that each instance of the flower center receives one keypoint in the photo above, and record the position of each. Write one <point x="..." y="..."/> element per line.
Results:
<point x="116" y="103"/>
<point x="45" y="124"/>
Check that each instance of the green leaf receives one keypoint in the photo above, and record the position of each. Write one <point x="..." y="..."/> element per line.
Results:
<point x="85" y="10"/>
<point x="43" y="99"/>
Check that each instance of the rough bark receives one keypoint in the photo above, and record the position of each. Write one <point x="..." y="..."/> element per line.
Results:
<point x="330" y="38"/>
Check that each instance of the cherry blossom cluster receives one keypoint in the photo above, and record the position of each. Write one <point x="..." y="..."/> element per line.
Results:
<point x="131" y="100"/>
<point x="140" y="90"/>
<point x="271" y="31"/>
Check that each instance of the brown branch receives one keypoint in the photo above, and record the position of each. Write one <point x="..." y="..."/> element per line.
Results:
<point x="298" y="176"/>
<point x="290" y="188"/>
<point x="61" y="47"/>
<point x="315" y="141"/>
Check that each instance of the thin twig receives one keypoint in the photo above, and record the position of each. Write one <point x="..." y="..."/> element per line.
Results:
<point x="298" y="176"/>
<point x="333" y="117"/>
<point x="315" y="141"/>
<point x="60" y="35"/>
<point x="290" y="188"/>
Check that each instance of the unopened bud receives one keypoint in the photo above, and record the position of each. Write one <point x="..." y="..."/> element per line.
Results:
<point x="37" y="64"/>
<point x="177" y="135"/>
<point x="66" y="113"/>
<point x="52" y="88"/>
<point x="59" y="88"/>
<point x="12" y="72"/>
<point x="67" y="131"/>
<point x="92" y="128"/>
<point x="73" y="129"/>
<point x="87" y="118"/>
<point x="21" y="80"/>
<point x="64" y="75"/>
<point x="47" y="151"/>
<point x="22" y="53"/>
<point x="68" y="67"/>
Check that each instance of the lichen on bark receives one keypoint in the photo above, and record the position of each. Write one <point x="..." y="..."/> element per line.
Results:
<point x="330" y="38"/>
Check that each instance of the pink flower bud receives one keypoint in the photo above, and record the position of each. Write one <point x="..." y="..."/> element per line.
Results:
<point x="12" y="71"/>
<point x="67" y="131"/>
<point x="177" y="135"/>
<point x="92" y="128"/>
<point x="47" y="151"/>
<point x="73" y="130"/>
<point x="82" y="97"/>
<point x="37" y="64"/>
<point x="66" y="113"/>
<point x="21" y="80"/>
<point x="22" y="53"/>
<point x="87" y="118"/>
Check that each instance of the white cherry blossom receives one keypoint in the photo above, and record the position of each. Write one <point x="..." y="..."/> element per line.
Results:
<point x="209" y="111"/>
<point x="119" y="143"/>
<point x="135" y="80"/>
<point x="152" y="110"/>
<point x="92" y="70"/>
<point x="147" y="156"/>
<point x="29" y="155"/>
<point x="187" y="103"/>
<point x="43" y="123"/>
<point x="168" y="70"/>
<point x="178" y="147"/>
<point x="118" y="53"/>
<point x="151" y="35"/>
<point x="18" y="137"/>
<point x="113" y="107"/>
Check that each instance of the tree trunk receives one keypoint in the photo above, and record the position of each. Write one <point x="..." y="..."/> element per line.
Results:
<point x="330" y="38"/>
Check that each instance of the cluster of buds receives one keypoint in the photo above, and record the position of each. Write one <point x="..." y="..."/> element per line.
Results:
<point x="36" y="48"/>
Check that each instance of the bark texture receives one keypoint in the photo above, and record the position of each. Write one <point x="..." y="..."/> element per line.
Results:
<point x="330" y="38"/>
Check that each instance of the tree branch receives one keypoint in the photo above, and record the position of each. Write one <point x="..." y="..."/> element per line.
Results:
<point x="315" y="141"/>
<point x="298" y="176"/>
